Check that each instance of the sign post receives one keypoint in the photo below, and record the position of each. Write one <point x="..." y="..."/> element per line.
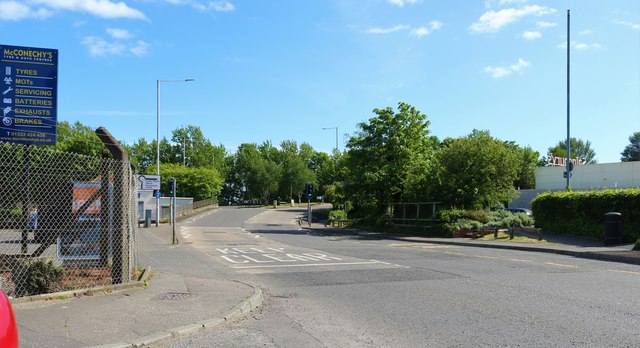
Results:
<point x="149" y="182"/>
<point x="29" y="94"/>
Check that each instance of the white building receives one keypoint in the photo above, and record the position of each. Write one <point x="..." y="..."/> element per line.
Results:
<point x="584" y="177"/>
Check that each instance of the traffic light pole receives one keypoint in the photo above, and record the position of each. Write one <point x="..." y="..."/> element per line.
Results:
<point x="309" y="192"/>
<point x="309" y="211"/>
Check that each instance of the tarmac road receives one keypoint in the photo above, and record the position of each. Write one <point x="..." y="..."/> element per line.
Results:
<point x="326" y="290"/>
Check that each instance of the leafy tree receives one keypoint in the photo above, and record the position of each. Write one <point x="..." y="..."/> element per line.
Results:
<point x="476" y="171"/>
<point x="381" y="154"/>
<point x="529" y="161"/>
<point x="199" y="183"/>
<point x="246" y="156"/>
<point x="193" y="149"/>
<point x="632" y="151"/>
<point x="142" y="154"/>
<point x="295" y="169"/>
<point x="78" y="138"/>
<point x="264" y="177"/>
<point x="579" y="150"/>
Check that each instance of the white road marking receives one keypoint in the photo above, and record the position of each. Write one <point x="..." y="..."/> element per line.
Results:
<point x="519" y="260"/>
<point x="621" y="271"/>
<point x="391" y="264"/>
<point x="560" y="265"/>
<point x="312" y="264"/>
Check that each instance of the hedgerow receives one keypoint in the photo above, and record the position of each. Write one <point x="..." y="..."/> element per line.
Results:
<point x="582" y="213"/>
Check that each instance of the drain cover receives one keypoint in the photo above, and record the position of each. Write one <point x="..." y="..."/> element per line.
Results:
<point x="173" y="296"/>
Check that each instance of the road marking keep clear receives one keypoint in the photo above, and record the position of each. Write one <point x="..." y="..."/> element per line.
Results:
<point x="270" y="255"/>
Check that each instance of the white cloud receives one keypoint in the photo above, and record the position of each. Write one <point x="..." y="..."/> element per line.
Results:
<point x="493" y="21"/>
<point x="387" y="30"/>
<point x="542" y="24"/>
<point x="217" y="6"/>
<point x="14" y="11"/>
<point x="99" y="47"/>
<point x="502" y="3"/>
<point x="585" y="46"/>
<point x="221" y="6"/>
<point x="140" y="49"/>
<point x="435" y="25"/>
<point x="580" y="46"/>
<point x="401" y="3"/>
<point x="502" y="71"/>
<point x="585" y="32"/>
<point x="121" y="34"/>
<point x="531" y="35"/>
<point x="100" y="8"/>
<point x="424" y="31"/>
<point x="635" y="26"/>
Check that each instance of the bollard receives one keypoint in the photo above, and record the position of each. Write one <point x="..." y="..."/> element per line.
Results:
<point x="510" y="233"/>
<point x="147" y="218"/>
<point x="495" y="233"/>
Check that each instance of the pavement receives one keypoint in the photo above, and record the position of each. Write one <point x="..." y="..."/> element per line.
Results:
<point x="184" y="291"/>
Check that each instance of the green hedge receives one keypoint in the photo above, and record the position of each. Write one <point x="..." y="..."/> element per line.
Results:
<point x="582" y="213"/>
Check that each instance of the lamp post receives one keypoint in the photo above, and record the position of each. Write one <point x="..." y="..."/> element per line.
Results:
<point x="158" y="139"/>
<point x="336" y="128"/>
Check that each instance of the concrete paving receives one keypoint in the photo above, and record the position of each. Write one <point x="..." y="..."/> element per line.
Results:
<point x="184" y="292"/>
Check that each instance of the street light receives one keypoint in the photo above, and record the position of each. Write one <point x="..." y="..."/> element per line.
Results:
<point x="336" y="128"/>
<point x="158" y="138"/>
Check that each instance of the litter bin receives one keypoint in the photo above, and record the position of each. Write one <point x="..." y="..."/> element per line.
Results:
<point x="147" y="218"/>
<point x="612" y="228"/>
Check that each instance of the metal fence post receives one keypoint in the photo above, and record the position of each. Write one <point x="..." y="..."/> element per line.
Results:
<point x="104" y="213"/>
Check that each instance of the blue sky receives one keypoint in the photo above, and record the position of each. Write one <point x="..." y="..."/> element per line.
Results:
<point x="278" y="70"/>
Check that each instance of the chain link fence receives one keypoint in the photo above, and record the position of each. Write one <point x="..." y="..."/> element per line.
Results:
<point x="67" y="221"/>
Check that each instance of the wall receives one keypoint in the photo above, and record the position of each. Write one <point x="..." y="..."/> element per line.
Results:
<point x="590" y="176"/>
<point x="585" y="177"/>
<point x="147" y="201"/>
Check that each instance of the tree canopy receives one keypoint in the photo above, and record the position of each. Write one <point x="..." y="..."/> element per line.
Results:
<point x="476" y="171"/>
<point x="381" y="154"/>
<point x="579" y="150"/>
<point x="632" y="151"/>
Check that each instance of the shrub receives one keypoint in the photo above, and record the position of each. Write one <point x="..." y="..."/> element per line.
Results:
<point x="461" y="224"/>
<point x="33" y="277"/>
<point x="477" y="215"/>
<point x="507" y="219"/>
<point x="637" y="246"/>
<point x="450" y="215"/>
<point x="337" y="215"/>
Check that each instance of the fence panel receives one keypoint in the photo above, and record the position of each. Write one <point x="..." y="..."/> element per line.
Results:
<point x="413" y="213"/>
<point x="60" y="225"/>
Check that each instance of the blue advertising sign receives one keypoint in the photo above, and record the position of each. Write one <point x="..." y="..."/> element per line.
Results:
<point x="29" y="95"/>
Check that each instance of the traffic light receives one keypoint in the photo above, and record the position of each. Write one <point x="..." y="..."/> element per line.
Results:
<point x="171" y="186"/>
<point x="308" y="189"/>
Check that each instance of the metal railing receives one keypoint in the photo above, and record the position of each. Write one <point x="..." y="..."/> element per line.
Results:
<point x="413" y="213"/>
<point x="61" y="226"/>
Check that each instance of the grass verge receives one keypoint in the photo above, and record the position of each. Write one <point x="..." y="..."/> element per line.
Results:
<point x="504" y="237"/>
